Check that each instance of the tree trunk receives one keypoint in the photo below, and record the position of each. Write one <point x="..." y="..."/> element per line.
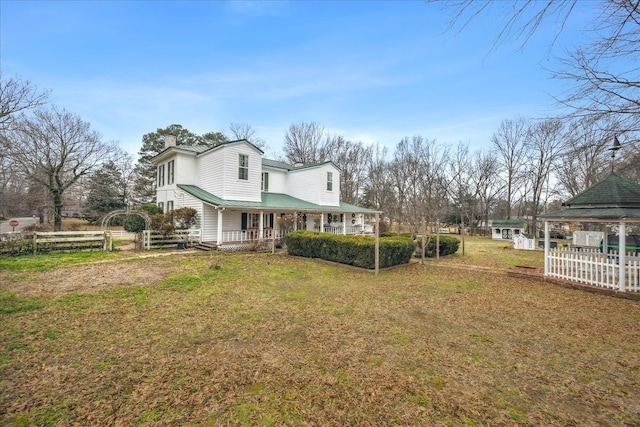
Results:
<point x="57" y="211"/>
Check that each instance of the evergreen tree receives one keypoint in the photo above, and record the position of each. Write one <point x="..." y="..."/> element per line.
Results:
<point x="106" y="193"/>
<point x="152" y="144"/>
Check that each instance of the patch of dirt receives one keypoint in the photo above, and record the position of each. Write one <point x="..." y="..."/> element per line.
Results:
<point x="88" y="278"/>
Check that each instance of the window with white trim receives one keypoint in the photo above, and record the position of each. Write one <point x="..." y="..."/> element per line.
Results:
<point x="160" y="175"/>
<point x="329" y="181"/>
<point x="243" y="167"/>
<point x="171" y="171"/>
<point x="265" y="181"/>
<point x="161" y="206"/>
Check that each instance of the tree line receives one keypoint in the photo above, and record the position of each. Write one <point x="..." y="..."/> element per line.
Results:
<point x="50" y="157"/>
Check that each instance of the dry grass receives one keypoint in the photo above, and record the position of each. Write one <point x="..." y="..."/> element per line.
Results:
<point x="261" y="339"/>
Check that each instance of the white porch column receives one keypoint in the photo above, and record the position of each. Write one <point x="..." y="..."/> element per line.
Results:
<point x="219" y="230"/>
<point x="322" y="222"/>
<point x="295" y="221"/>
<point x="546" y="248"/>
<point x="622" y="260"/>
<point x="261" y="225"/>
<point x="344" y="224"/>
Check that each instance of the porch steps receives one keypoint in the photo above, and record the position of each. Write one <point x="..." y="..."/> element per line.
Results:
<point x="206" y="246"/>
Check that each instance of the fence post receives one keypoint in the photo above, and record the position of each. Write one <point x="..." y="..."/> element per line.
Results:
<point x="35" y="243"/>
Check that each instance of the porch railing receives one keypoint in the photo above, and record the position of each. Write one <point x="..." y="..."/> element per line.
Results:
<point x="351" y="229"/>
<point x="590" y="266"/>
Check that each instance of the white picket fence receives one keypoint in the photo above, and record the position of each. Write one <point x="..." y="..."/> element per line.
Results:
<point x="590" y="266"/>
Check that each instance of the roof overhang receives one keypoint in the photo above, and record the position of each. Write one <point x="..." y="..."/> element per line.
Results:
<point x="272" y="202"/>
<point x="594" y="214"/>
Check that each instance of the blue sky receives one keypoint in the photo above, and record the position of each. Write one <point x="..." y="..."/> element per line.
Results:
<point x="369" y="71"/>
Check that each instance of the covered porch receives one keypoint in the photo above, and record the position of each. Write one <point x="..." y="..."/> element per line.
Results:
<point x="613" y="205"/>
<point x="236" y="223"/>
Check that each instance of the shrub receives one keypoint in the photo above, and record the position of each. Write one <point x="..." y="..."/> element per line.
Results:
<point x="352" y="250"/>
<point x="448" y="245"/>
<point x="133" y="223"/>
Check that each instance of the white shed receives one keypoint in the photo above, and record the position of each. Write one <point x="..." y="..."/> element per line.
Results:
<point x="524" y="241"/>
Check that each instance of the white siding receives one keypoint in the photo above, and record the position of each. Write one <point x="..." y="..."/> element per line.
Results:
<point x="185" y="169"/>
<point x="210" y="226"/>
<point x="277" y="180"/>
<point x="239" y="189"/>
<point x="210" y="173"/>
<point x="310" y="184"/>
<point x="231" y="220"/>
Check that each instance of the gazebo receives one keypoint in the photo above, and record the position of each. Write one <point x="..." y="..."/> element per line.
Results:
<point x="615" y="202"/>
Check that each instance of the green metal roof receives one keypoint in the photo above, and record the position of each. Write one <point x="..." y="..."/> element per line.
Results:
<point x="613" y="190"/>
<point x="507" y="223"/>
<point x="613" y="198"/>
<point x="273" y="201"/>
<point x="277" y="164"/>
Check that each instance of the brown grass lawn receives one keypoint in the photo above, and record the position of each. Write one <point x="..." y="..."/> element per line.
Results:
<point x="261" y="339"/>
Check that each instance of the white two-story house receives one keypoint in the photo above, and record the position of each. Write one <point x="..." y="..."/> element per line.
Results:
<point x="241" y="197"/>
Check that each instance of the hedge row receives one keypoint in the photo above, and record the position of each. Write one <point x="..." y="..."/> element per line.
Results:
<point x="358" y="251"/>
<point x="448" y="245"/>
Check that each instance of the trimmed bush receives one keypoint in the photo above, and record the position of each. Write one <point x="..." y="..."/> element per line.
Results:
<point x="448" y="245"/>
<point x="358" y="251"/>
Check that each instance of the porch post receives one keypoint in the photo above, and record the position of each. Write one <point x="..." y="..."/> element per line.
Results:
<point x="546" y="248"/>
<point x="295" y="221"/>
<point x="344" y="224"/>
<point x="219" y="230"/>
<point x="322" y="222"/>
<point x="622" y="260"/>
<point x="261" y="226"/>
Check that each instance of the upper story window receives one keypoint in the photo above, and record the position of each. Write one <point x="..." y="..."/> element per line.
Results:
<point x="160" y="175"/>
<point x="243" y="167"/>
<point x="329" y="181"/>
<point x="265" y="181"/>
<point x="171" y="171"/>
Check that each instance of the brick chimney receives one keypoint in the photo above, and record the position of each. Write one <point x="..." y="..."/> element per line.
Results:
<point x="169" y="141"/>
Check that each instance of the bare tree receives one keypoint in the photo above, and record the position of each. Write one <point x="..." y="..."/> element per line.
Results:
<point x="585" y="158"/>
<point x="417" y="174"/>
<point x="546" y="143"/>
<point x="304" y="143"/>
<point x="510" y="144"/>
<point x="352" y="159"/>
<point x="459" y="188"/>
<point x="16" y="96"/>
<point x="55" y="149"/>
<point x="248" y="132"/>
<point x="487" y="183"/>
<point x="601" y="71"/>
<point x="378" y="191"/>
<point x="518" y="19"/>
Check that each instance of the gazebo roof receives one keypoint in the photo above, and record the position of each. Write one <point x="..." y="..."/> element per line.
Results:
<point x="613" y="190"/>
<point x="613" y="198"/>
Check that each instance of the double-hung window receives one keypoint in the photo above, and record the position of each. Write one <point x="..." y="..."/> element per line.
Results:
<point x="170" y="171"/>
<point x="160" y="175"/>
<point x="329" y="181"/>
<point x="243" y="167"/>
<point x="265" y="181"/>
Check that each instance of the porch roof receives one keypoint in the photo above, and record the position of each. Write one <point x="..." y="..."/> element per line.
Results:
<point x="271" y="201"/>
